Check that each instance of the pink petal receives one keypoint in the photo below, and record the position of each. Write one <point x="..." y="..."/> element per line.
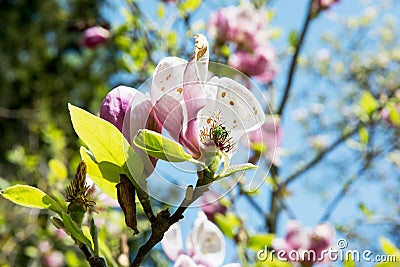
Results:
<point x="172" y="243"/>
<point x="170" y="114"/>
<point x="321" y="238"/>
<point x="297" y="237"/>
<point x="191" y="139"/>
<point x="138" y="117"/>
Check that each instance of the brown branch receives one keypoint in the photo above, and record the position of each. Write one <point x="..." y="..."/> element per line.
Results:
<point x="163" y="221"/>
<point x="293" y="63"/>
<point x="319" y="156"/>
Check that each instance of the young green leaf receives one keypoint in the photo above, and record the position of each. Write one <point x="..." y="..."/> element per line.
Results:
<point x="228" y="224"/>
<point x="160" y="147"/>
<point x="104" y="174"/>
<point x="364" y="135"/>
<point x="237" y="168"/>
<point x="260" y="241"/>
<point x="104" y="140"/>
<point x="388" y="247"/>
<point x="31" y="197"/>
<point x="75" y="231"/>
<point x="368" y="103"/>
<point x="190" y="5"/>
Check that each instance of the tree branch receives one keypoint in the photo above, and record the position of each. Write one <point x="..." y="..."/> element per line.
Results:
<point x="163" y="221"/>
<point x="319" y="156"/>
<point x="293" y="63"/>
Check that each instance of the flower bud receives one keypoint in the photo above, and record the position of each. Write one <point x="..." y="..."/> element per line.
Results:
<point x="116" y="104"/>
<point x="94" y="36"/>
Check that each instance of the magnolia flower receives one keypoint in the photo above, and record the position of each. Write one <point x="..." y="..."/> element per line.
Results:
<point x="211" y="205"/>
<point x="130" y="110"/>
<point x="199" y="112"/>
<point x="243" y="24"/>
<point x="94" y="36"/>
<point x="205" y="245"/>
<point x="259" y="64"/>
<point x="267" y="139"/>
<point x="302" y="239"/>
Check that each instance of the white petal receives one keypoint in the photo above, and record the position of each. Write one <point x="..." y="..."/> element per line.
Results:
<point x="172" y="243"/>
<point x="208" y="242"/>
<point x="240" y="111"/>
<point x="184" y="261"/>
<point x="168" y="79"/>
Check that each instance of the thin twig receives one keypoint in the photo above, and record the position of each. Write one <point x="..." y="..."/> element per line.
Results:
<point x="320" y="156"/>
<point x="293" y="63"/>
<point x="346" y="186"/>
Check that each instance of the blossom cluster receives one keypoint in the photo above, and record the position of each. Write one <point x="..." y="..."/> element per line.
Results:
<point x="244" y="27"/>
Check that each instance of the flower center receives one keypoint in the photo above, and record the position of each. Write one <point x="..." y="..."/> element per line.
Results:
<point x="216" y="134"/>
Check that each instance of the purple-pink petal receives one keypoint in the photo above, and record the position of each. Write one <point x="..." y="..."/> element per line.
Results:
<point x="116" y="104"/>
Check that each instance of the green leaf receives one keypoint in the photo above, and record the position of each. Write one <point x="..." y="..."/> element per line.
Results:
<point x="190" y="5"/>
<point x="394" y="114"/>
<point x="95" y="237"/>
<point x="75" y="231"/>
<point x="260" y="241"/>
<point x="293" y="38"/>
<point x="31" y="197"/>
<point x="364" y="135"/>
<point x="388" y="247"/>
<point x="365" y="210"/>
<point x="368" y="103"/>
<point x="227" y="223"/>
<point x="57" y="171"/>
<point x="105" y="175"/>
<point x="349" y="261"/>
<point x="104" y="140"/>
<point x="237" y="168"/>
<point x="160" y="147"/>
<point x="160" y="11"/>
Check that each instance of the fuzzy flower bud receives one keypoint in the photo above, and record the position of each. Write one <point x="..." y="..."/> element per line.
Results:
<point x="94" y="36"/>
